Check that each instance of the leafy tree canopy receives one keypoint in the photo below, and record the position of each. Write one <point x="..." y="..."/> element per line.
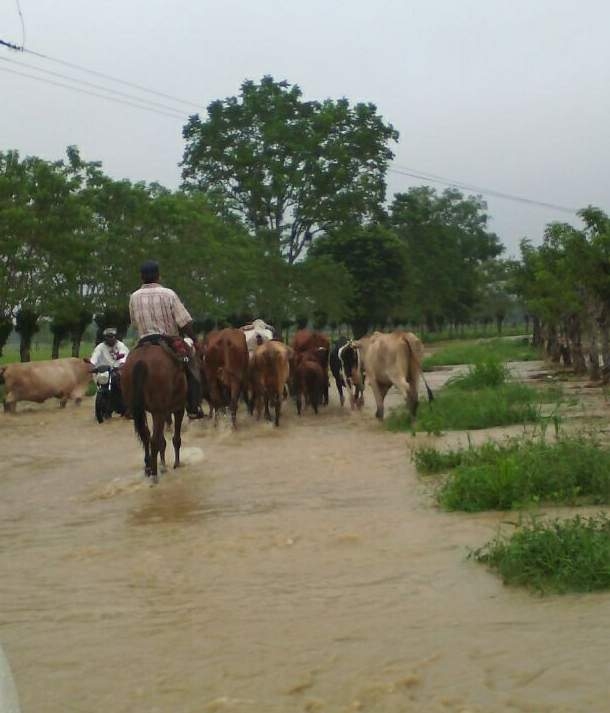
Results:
<point x="292" y="167"/>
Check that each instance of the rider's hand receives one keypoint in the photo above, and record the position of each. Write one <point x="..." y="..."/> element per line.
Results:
<point x="189" y="341"/>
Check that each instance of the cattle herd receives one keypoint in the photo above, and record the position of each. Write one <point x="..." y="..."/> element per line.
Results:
<point x="252" y="362"/>
<point x="248" y="363"/>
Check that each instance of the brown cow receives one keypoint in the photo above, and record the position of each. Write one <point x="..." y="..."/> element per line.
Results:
<point x="269" y="371"/>
<point x="318" y="345"/>
<point x="38" y="381"/>
<point x="310" y="379"/>
<point x="393" y="359"/>
<point x="225" y="366"/>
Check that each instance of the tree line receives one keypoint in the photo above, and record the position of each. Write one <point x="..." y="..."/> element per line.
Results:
<point x="565" y="285"/>
<point x="282" y="214"/>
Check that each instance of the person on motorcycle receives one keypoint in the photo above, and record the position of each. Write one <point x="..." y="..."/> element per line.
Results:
<point x="109" y="355"/>
<point x="158" y="315"/>
<point x="110" y="352"/>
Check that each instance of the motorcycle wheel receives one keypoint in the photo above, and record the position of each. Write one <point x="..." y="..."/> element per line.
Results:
<point x="100" y="407"/>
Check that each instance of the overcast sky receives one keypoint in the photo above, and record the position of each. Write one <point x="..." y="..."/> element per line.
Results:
<point x="513" y="96"/>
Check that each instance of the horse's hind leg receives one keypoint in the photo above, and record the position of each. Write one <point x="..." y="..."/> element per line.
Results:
<point x="177" y="440"/>
<point x="156" y="444"/>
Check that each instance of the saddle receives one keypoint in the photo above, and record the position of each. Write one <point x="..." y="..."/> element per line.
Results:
<point x="174" y="346"/>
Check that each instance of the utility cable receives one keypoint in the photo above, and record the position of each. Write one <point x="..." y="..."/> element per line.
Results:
<point x="94" y="94"/>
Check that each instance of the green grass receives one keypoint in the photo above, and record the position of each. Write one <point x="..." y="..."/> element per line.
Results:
<point x="469" y="332"/>
<point x="471" y="352"/>
<point x="42" y="351"/>
<point x="457" y="409"/>
<point x="558" y="556"/>
<point x="520" y="473"/>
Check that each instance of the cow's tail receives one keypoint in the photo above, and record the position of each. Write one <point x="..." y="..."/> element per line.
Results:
<point x="138" y="407"/>
<point x="418" y="371"/>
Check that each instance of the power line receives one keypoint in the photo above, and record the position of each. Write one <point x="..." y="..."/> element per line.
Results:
<point x="22" y="24"/>
<point x="443" y="180"/>
<point x="111" y="78"/>
<point x="94" y="94"/>
<point x="91" y="84"/>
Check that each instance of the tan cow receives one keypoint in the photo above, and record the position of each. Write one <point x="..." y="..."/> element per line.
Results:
<point x="38" y="381"/>
<point x="269" y="372"/>
<point x="393" y="359"/>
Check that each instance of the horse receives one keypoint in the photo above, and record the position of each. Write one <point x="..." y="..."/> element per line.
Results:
<point x="153" y="380"/>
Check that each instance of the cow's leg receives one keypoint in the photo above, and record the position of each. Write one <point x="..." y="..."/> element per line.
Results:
<point x="278" y="406"/>
<point x="162" y="446"/>
<point x="299" y="402"/>
<point x="10" y="405"/>
<point x="235" y="391"/>
<point x="412" y="399"/>
<point x="177" y="440"/>
<point x="326" y="388"/>
<point x="339" y="382"/>
<point x="314" y="398"/>
<point x="267" y="412"/>
<point x="379" y="392"/>
<point x="63" y="400"/>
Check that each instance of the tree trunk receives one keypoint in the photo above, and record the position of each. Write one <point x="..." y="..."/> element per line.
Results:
<point x="553" y="348"/>
<point x="536" y="332"/>
<point x="594" y="367"/>
<point x="527" y="323"/>
<point x="55" y="346"/>
<point x="499" y="321"/>
<point x="604" y="337"/>
<point x="6" y="327"/>
<point x="26" y="324"/>
<point x="575" y="336"/>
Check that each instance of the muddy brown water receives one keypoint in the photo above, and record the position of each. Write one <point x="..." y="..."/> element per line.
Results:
<point x="298" y="569"/>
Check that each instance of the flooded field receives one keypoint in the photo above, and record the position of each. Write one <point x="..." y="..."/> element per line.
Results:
<point x="304" y="568"/>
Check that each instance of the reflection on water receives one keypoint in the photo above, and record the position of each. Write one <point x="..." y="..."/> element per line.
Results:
<point x="294" y="569"/>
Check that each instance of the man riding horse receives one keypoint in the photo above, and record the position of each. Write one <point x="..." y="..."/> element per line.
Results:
<point x="160" y="317"/>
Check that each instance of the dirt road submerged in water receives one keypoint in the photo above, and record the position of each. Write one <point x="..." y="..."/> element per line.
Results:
<point x="298" y="569"/>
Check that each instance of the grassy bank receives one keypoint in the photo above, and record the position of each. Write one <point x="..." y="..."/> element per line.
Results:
<point x="521" y="472"/>
<point x="457" y="410"/>
<point x="471" y="352"/>
<point x="481" y="398"/>
<point x="558" y="556"/>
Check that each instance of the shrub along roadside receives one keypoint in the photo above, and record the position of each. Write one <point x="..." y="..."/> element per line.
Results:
<point x="559" y="556"/>
<point x="473" y="352"/>
<point x="521" y="472"/>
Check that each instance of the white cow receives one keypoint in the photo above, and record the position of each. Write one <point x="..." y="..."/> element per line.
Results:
<point x="257" y="333"/>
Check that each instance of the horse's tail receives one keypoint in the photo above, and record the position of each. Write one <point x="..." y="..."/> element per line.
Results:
<point x="138" y="409"/>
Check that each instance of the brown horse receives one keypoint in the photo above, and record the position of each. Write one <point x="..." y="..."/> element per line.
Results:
<point x="153" y="380"/>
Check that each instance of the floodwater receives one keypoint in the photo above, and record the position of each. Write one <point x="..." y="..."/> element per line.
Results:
<point x="304" y="568"/>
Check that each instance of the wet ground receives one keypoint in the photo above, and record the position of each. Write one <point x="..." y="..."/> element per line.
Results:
<point x="304" y="568"/>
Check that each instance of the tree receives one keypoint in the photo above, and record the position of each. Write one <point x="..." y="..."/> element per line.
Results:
<point x="447" y="241"/>
<point x="292" y="167"/>
<point x="376" y="261"/>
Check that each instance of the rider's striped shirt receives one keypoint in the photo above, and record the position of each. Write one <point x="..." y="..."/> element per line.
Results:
<point x="157" y="310"/>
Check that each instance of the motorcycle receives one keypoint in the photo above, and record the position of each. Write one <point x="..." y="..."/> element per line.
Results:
<point x="108" y="397"/>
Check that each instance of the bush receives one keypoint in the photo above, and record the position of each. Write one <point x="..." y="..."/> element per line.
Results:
<point x="473" y="352"/>
<point x="458" y="409"/>
<point x="560" y="556"/>
<point x="489" y="372"/>
<point x="522" y="472"/>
